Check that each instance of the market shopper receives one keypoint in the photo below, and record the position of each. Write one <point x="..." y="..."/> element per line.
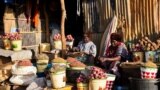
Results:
<point x="117" y="52"/>
<point x="54" y="16"/>
<point x="87" y="48"/>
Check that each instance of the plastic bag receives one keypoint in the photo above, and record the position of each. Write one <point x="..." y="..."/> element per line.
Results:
<point x="22" y="80"/>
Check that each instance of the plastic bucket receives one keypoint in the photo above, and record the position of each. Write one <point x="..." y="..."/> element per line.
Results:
<point x="110" y="81"/>
<point x="144" y="84"/>
<point x="82" y="86"/>
<point x="44" y="47"/>
<point x="97" y="84"/>
<point x="58" y="79"/>
<point x="148" y="73"/>
<point x="42" y="65"/>
<point x="57" y="45"/>
<point x="150" y="54"/>
<point x="16" y="45"/>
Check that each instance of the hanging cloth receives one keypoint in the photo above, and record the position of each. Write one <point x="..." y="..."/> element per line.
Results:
<point x="78" y="8"/>
<point x="35" y="19"/>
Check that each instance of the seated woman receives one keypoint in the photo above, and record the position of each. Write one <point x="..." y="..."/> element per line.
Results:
<point x="117" y="52"/>
<point x="87" y="48"/>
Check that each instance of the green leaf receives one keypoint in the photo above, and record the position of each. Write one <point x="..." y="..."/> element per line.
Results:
<point x="14" y="45"/>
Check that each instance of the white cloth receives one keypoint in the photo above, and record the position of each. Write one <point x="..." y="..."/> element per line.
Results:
<point x="16" y="55"/>
<point x="111" y="28"/>
<point x="89" y="48"/>
<point x="23" y="70"/>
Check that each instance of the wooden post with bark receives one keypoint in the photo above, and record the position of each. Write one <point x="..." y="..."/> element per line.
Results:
<point x="46" y="23"/>
<point x="63" y="27"/>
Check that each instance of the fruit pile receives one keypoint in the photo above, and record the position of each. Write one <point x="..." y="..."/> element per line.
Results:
<point x="75" y="63"/>
<point x="56" y="68"/>
<point x="59" y="60"/>
<point x="42" y="57"/>
<point x="97" y="73"/>
<point x="5" y="36"/>
<point x="82" y="78"/>
<point x="24" y="63"/>
<point x="15" y="36"/>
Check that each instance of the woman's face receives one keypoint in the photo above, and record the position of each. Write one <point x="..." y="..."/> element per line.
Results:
<point x="114" y="43"/>
<point x="86" y="39"/>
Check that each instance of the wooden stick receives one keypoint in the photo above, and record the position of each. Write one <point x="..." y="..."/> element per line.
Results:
<point x="138" y="19"/>
<point x="124" y="28"/>
<point x="129" y="19"/>
<point x="155" y="14"/>
<point x="62" y="27"/>
<point x="147" y="12"/>
<point x="116" y="8"/>
<point x="135" y="18"/>
<point x="144" y="18"/>
<point x="159" y="16"/>
<point x="141" y="19"/>
<point x="151" y="22"/>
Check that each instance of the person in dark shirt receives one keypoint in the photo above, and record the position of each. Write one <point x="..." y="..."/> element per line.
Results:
<point x="117" y="52"/>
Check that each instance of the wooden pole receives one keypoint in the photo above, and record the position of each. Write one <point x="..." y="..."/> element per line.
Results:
<point x="63" y="27"/>
<point x="46" y="21"/>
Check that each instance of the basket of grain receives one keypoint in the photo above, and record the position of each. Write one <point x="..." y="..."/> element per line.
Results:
<point x="42" y="62"/>
<point x="58" y="76"/>
<point x="149" y="70"/>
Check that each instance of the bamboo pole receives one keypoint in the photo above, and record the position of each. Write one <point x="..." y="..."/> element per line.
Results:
<point x="136" y="21"/>
<point x="159" y="16"/>
<point x="141" y="18"/>
<point x="151" y="22"/>
<point x="144" y="19"/>
<point x="133" y="30"/>
<point x="155" y="14"/>
<point x="109" y="8"/>
<point x="116" y="7"/>
<point x="138" y="18"/>
<point x="147" y="15"/>
<point x="63" y="27"/>
<point x="124" y="28"/>
<point x="129" y="19"/>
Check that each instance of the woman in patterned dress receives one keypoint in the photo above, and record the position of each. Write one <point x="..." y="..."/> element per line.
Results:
<point x="115" y="54"/>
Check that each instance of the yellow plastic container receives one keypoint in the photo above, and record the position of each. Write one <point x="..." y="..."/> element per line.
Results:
<point x="42" y="65"/>
<point x="45" y="47"/>
<point x="97" y="84"/>
<point x="58" y="79"/>
<point x="57" y="44"/>
<point x="16" y="45"/>
<point x="82" y="86"/>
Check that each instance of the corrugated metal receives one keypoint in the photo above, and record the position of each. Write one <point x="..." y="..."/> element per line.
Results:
<point x="142" y="17"/>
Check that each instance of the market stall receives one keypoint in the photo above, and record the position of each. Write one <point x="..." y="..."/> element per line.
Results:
<point x="27" y="63"/>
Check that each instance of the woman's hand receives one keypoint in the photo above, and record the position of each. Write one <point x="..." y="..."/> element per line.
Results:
<point x="102" y="59"/>
<point x="75" y="49"/>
